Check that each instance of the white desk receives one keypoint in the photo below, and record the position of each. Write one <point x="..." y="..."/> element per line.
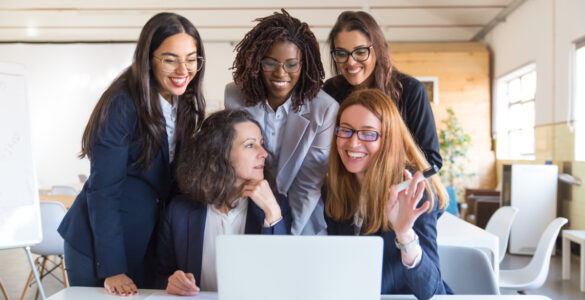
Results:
<point x="577" y="236"/>
<point x="453" y="231"/>
<point x="92" y="293"/>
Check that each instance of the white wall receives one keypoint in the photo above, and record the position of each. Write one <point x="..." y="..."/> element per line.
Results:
<point x="542" y="31"/>
<point x="64" y="81"/>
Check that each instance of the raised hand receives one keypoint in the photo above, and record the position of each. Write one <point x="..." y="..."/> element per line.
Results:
<point x="262" y="195"/>
<point x="401" y="207"/>
<point x="182" y="284"/>
<point x="120" y="285"/>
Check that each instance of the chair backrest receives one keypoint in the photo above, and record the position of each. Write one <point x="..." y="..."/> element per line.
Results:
<point x="52" y="213"/>
<point x="467" y="271"/>
<point x="63" y="190"/>
<point x="540" y="262"/>
<point x="500" y="224"/>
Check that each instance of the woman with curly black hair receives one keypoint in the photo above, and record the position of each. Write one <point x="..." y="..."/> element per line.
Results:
<point x="278" y="76"/>
<point x="226" y="191"/>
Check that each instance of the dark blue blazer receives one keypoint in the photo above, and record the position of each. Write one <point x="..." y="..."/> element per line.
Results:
<point x="424" y="280"/>
<point x="113" y="218"/>
<point x="181" y="231"/>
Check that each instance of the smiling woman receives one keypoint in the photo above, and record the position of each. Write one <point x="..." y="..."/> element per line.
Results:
<point x="130" y="140"/>
<point x="277" y="78"/>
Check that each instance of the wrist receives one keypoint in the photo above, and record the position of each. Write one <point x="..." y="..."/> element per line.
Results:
<point x="272" y="214"/>
<point x="405" y="237"/>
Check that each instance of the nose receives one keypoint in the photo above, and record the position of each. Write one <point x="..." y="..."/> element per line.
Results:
<point x="351" y="60"/>
<point x="182" y="68"/>
<point x="262" y="153"/>
<point x="280" y="71"/>
<point x="354" y="141"/>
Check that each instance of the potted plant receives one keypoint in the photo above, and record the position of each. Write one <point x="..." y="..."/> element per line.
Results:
<point x="454" y="144"/>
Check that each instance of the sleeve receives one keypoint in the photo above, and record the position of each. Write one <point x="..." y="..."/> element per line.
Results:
<point x="305" y="191"/>
<point x="166" y="262"/>
<point x="419" y="119"/>
<point x="109" y="161"/>
<point x="425" y="279"/>
<point x="283" y="226"/>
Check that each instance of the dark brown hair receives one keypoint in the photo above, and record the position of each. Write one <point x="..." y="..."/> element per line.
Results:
<point x="142" y="86"/>
<point x="385" y="74"/>
<point x="279" y="27"/>
<point x="397" y="152"/>
<point x="204" y="171"/>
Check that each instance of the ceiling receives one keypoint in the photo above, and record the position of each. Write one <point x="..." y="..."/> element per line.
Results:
<point x="229" y="20"/>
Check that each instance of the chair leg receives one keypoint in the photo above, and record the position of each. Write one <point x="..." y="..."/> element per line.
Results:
<point x="27" y="284"/>
<point x="65" y="281"/>
<point x="521" y="292"/>
<point x="43" y="265"/>
<point x="3" y="291"/>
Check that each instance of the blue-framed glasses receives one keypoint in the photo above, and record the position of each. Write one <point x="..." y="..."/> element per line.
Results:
<point x="363" y="135"/>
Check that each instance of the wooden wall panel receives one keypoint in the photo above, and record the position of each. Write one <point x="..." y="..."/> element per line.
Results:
<point x="463" y="70"/>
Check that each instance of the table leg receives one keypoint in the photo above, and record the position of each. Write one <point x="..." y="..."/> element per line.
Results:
<point x="582" y="259"/>
<point x="566" y="258"/>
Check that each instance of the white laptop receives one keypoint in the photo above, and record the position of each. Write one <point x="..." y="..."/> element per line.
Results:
<point x="299" y="267"/>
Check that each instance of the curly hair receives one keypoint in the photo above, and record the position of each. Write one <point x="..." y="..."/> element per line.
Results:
<point x="204" y="171"/>
<point x="279" y="27"/>
<point x="386" y="76"/>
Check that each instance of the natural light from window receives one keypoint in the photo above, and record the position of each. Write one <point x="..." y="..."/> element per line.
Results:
<point x="515" y="114"/>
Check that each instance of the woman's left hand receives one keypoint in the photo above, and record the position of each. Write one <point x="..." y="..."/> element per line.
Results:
<point x="261" y="194"/>
<point x="401" y="207"/>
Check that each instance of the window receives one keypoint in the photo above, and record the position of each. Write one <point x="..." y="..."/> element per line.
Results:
<point x="515" y="114"/>
<point x="579" y="100"/>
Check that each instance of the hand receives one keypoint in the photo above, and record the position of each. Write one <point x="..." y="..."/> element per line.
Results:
<point x="120" y="285"/>
<point x="182" y="284"/>
<point x="261" y="194"/>
<point x="401" y="207"/>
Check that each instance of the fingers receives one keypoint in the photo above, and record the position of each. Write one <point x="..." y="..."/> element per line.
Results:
<point x="120" y="285"/>
<point x="182" y="284"/>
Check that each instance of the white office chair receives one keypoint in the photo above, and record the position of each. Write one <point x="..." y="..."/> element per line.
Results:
<point x="500" y="224"/>
<point x="63" y="190"/>
<point x="52" y="244"/>
<point x="533" y="275"/>
<point x="467" y="271"/>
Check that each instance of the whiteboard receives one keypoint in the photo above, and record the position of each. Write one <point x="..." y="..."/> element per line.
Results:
<point x="20" y="222"/>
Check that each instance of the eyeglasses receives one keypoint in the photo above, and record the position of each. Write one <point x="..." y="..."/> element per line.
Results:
<point x="359" y="54"/>
<point x="289" y="66"/>
<point x="363" y="135"/>
<point x="170" y="63"/>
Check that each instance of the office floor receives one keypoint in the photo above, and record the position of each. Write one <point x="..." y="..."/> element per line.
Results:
<point x="14" y="272"/>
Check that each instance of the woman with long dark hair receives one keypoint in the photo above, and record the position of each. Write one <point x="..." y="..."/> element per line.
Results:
<point x="372" y="152"/>
<point x="130" y="140"/>
<point x="226" y="190"/>
<point x="360" y="58"/>
<point x="277" y="78"/>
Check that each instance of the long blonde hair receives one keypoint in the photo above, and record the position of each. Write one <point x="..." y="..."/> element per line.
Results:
<point x="397" y="152"/>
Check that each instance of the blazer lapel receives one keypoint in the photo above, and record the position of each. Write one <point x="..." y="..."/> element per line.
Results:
<point x="254" y="219"/>
<point x="295" y="127"/>
<point x="195" y="244"/>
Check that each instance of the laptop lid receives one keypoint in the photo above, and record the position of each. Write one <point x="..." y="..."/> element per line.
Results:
<point x="299" y="267"/>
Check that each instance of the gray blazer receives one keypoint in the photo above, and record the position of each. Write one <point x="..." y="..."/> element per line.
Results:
<point x="304" y="152"/>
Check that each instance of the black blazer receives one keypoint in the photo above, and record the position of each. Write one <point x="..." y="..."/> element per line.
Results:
<point x="182" y="228"/>
<point x="113" y="218"/>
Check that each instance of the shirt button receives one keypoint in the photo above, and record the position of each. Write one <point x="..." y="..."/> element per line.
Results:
<point x="273" y="134"/>
<point x="278" y="116"/>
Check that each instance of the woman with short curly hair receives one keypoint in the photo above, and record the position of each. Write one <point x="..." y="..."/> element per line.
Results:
<point x="226" y="190"/>
<point x="278" y="76"/>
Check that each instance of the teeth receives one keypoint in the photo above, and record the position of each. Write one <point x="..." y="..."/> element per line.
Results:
<point x="178" y="80"/>
<point x="353" y="71"/>
<point x="355" y="154"/>
<point x="280" y="83"/>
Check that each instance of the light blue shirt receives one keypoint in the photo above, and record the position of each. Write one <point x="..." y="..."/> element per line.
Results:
<point x="274" y="122"/>
<point x="170" y="113"/>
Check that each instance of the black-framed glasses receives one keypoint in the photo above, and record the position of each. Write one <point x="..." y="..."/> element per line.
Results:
<point x="359" y="54"/>
<point x="363" y="135"/>
<point x="269" y="65"/>
<point x="170" y="63"/>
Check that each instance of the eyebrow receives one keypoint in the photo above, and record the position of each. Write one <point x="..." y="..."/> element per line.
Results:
<point x="274" y="59"/>
<point x="356" y="47"/>
<point x="365" y="127"/>
<point x="173" y="54"/>
<point x="248" y="139"/>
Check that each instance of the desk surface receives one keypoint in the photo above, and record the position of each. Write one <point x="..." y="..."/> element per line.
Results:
<point x="66" y="200"/>
<point x="93" y="293"/>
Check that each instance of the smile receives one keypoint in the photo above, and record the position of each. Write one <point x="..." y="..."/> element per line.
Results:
<point x="354" y="71"/>
<point x="179" y="81"/>
<point x="355" y="155"/>
<point x="280" y="84"/>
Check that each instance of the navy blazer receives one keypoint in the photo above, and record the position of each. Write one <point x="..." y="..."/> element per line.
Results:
<point x="424" y="280"/>
<point x="113" y="218"/>
<point x="182" y="228"/>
